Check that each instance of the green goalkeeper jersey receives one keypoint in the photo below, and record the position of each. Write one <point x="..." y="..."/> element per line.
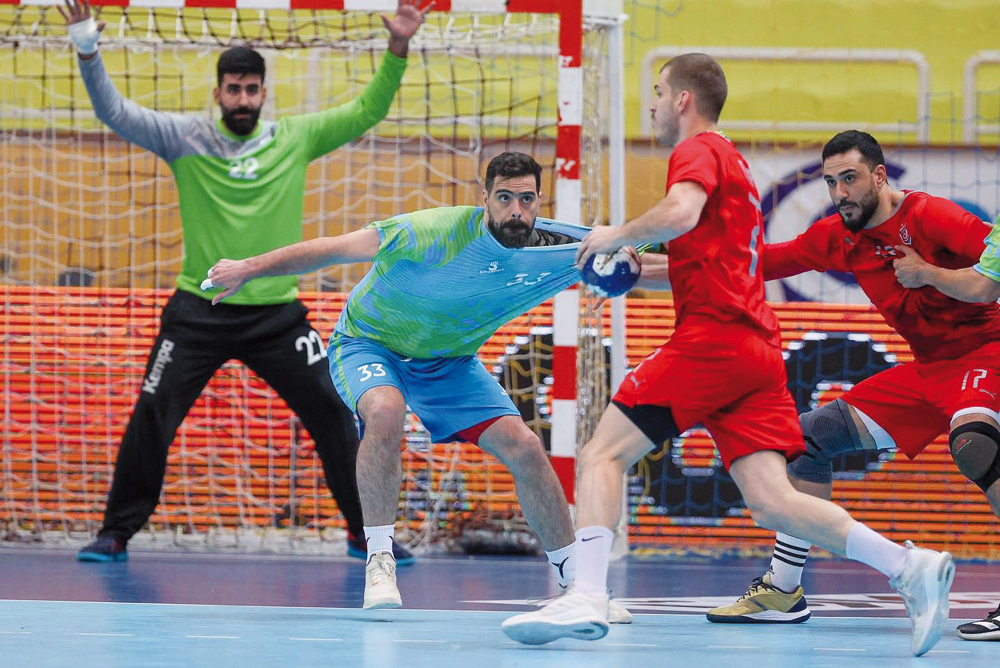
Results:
<point x="241" y="196"/>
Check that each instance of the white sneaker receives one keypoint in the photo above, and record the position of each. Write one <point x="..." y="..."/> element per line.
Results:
<point x="618" y="613"/>
<point x="924" y="585"/>
<point x="575" y="614"/>
<point x="380" y="582"/>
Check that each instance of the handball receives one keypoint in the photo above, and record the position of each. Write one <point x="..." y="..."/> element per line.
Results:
<point x="614" y="274"/>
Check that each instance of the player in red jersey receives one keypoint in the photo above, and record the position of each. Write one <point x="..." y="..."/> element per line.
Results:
<point x="722" y="367"/>
<point x="954" y="382"/>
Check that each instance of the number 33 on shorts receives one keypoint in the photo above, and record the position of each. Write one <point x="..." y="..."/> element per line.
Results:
<point x="369" y="371"/>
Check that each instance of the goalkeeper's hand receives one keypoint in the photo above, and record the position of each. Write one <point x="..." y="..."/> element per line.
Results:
<point x="404" y="25"/>
<point x="83" y="30"/>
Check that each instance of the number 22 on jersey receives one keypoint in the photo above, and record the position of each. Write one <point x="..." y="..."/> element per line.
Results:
<point x="244" y="168"/>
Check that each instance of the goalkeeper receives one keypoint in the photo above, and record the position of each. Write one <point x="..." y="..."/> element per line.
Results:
<point x="443" y="281"/>
<point x="241" y="184"/>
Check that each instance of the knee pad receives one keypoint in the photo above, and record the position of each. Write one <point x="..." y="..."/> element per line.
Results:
<point x="829" y="432"/>
<point x="975" y="447"/>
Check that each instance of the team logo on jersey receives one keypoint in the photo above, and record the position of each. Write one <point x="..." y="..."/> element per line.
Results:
<point x="904" y="234"/>
<point x="885" y="251"/>
<point x="494" y="268"/>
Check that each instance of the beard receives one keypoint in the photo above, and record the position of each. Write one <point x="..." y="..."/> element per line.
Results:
<point x="511" y="233"/>
<point x="669" y="133"/>
<point x="860" y="212"/>
<point x="240" y="126"/>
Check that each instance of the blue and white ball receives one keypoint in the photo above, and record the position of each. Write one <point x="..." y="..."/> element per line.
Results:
<point x="611" y="275"/>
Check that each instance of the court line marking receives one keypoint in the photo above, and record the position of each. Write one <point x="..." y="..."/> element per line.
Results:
<point x="122" y="635"/>
<point x="420" y="641"/>
<point x="839" y="649"/>
<point x="733" y="647"/>
<point x="26" y="633"/>
<point x="948" y="651"/>
<point x="216" y="637"/>
<point x="401" y="612"/>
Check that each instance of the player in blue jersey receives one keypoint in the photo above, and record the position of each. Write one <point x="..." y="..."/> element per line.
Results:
<point x="442" y="282"/>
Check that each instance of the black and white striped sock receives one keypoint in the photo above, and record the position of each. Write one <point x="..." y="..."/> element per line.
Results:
<point x="787" y="562"/>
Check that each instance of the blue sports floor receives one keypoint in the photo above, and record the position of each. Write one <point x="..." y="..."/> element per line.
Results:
<point x="197" y="609"/>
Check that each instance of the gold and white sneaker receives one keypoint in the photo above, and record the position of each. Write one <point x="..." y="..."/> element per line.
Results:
<point x="575" y="614"/>
<point x="764" y="604"/>
<point x="924" y="585"/>
<point x="380" y="582"/>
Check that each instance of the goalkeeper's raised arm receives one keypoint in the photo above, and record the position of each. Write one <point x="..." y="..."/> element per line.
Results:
<point x="239" y="96"/>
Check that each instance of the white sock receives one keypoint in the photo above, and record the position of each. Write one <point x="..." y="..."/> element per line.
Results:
<point x="563" y="561"/>
<point x="379" y="539"/>
<point x="593" y="552"/>
<point x="877" y="551"/>
<point x="787" y="562"/>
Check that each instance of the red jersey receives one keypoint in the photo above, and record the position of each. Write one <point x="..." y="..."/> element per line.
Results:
<point x="936" y="326"/>
<point x="714" y="268"/>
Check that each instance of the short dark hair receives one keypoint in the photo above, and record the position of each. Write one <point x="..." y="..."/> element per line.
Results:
<point x="702" y="75"/>
<point x="240" y="60"/>
<point x="510" y="164"/>
<point x="871" y="152"/>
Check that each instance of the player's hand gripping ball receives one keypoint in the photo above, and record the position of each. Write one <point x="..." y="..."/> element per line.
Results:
<point x="614" y="274"/>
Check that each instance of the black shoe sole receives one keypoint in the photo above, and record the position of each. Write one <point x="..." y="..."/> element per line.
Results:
<point x="724" y="619"/>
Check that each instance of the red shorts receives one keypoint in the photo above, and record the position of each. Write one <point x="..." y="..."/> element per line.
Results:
<point x="727" y="377"/>
<point x="916" y="402"/>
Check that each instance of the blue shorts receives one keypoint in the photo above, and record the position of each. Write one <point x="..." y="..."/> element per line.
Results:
<point x="448" y="394"/>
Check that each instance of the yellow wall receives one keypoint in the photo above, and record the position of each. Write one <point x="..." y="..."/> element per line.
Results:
<point x="946" y="32"/>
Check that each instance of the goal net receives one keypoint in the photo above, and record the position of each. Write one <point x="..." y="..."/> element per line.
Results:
<point x="91" y="244"/>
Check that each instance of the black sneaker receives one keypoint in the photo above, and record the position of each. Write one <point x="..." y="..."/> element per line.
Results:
<point x="357" y="547"/>
<point x="984" y="629"/>
<point x="104" y="549"/>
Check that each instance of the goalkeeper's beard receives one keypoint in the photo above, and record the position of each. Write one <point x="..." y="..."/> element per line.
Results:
<point x="512" y="233"/>
<point x="240" y="126"/>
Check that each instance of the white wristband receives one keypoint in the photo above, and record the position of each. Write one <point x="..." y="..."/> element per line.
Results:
<point x="85" y="35"/>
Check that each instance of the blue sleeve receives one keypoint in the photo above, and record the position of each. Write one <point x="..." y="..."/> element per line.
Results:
<point x="397" y="240"/>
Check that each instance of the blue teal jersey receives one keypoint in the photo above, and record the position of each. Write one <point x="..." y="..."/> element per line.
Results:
<point x="441" y="284"/>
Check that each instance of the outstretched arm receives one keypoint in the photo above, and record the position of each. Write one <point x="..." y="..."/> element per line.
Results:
<point x="331" y="128"/>
<point x="674" y="215"/>
<point x="967" y="285"/>
<point x="155" y="131"/>
<point x="301" y="258"/>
